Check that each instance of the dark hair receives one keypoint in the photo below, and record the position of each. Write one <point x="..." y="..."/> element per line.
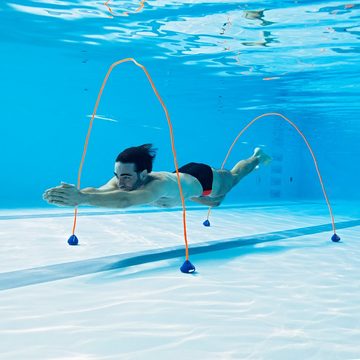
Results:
<point x="142" y="156"/>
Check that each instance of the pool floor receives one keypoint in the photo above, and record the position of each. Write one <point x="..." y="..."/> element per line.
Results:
<point x="294" y="296"/>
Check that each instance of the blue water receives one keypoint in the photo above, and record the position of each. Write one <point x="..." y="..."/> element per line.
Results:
<point x="208" y="61"/>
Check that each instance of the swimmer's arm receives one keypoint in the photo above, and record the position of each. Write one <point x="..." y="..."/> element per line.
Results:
<point x="123" y="199"/>
<point x="69" y="195"/>
<point x="110" y="185"/>
<point x="119" y="199"/>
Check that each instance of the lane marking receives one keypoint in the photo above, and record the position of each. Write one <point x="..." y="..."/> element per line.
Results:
<point x="43" y="274"/>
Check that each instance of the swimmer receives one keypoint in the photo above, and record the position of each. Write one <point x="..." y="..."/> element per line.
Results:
<point x="134" y="183"/>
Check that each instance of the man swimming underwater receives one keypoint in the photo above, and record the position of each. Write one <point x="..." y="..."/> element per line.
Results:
<point x="134" y="183"/>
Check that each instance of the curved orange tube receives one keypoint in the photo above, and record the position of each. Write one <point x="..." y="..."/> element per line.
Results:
<point x="171" y="138"/>
<point x="307" y="144"/>
<point x="141" y="5"/>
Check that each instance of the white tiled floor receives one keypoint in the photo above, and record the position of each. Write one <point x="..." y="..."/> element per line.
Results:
<point x="293" y="298"/>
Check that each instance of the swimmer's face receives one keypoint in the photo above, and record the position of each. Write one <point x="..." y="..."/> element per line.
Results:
<point x="127" y="178"/>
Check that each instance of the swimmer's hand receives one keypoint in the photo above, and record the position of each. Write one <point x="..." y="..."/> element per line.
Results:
<point x="63" y="195"/>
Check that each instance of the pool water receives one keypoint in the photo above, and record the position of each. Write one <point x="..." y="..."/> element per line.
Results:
<point x="216" y="64"/>
<point x="269" y="282"/>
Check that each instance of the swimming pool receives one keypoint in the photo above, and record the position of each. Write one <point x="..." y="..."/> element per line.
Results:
<point x="269" y="282"/>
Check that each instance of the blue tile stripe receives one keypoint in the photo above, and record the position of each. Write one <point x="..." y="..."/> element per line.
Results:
<point x="38" y="275"/>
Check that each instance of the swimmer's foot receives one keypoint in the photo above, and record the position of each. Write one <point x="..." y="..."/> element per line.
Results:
<point x="264" y="158"/>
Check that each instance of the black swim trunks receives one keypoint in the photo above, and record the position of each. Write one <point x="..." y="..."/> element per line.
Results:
<point x="202" y="172"/>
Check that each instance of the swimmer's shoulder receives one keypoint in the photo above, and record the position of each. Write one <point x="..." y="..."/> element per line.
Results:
<point x="163" y="179"/>
<point x="161" y="176"/>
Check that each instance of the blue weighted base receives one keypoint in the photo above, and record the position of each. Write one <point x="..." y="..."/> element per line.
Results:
<point x="187" y="267"/>
<point x="206" y="223"/>
<point x="73" y="240"/>
<point x="335" y="238"/>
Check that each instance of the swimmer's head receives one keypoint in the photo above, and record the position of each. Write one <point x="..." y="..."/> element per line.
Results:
<point x="133" y="165"/>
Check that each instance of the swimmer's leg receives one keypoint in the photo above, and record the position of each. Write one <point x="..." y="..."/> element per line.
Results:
<point x="245" y="167"/>
<point x="208" y="201"/>
<point x="225" y="180"/>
